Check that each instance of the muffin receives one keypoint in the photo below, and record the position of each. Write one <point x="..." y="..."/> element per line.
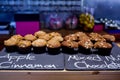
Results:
<point x="11" y="44"/>
<point x="30" y="37"/>
<point x="53" y="46"/>
<point x="96" y="37"/>
<point x="103" y="48"/>
<point x="109" y="38"/>
<point x="39" y="33"/>
<point x="85" y="46"/>
<point x="39" y="45"/>
<point x="69" y="46"/>
<point x="17" y="36"/>
<point x="58" y="38"/>
<point x="81" y="36"/>
<point x="45" y="37"/>
<point x="53" y="34"/>
<point x="71" y="37"/>
<point x="24" y="46"/>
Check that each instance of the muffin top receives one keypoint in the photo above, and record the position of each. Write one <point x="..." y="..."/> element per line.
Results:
<point x="45" y="37"/>
<point x="71" y="37"/>
<point x="30" y="37"/>
<point x="53" y="44"/>
<point x="102" y="45"/>
<point x="39" y="33"/>
<point x="58" y="38"/>
<point x="53" y="34"/>
<point x="70" y="44"/>
<point x="96" y="37"/>
<point x="24" y="43"/>
<point x="109" y="37"/>
<point x="39" y="43"/>
<point x="11" y="42"/>
<point x="86" y="43"/>
<point x="17" y="36"/>
<point x="80" y="34"/>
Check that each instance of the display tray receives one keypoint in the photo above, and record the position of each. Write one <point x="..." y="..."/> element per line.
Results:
<point x="30" y="61"/>
<point x="94" y="61"/>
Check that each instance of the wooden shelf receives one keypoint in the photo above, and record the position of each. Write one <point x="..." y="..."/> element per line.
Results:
<point x="58" y="75"/>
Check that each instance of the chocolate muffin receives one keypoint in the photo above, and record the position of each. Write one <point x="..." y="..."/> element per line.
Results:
<point x="30" y="37"/>
<point x="96" y="37"/>
<point x="103" y="48"/>
<point x="24" y="46"/>
<point x="85" y="46"/>
<point x="39" y="33"/>
<point x="69" y="47"/>
<point x="39" y="45"/>
<point x="53" y="46"/>
<point x="11" y="44"/>
<point x="109" y="38"/>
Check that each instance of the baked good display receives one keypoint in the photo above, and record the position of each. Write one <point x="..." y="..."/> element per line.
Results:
<point x="24" y="46"/>
<point x="109" y="38"/>
<point x="94" y="37"/>
<point x="30" y="37"/>
<point x="103" y="48"/>
<point x="39" y="45"/>
<point x="53" y="42"/>
<point x="11" y="44"/>
<point x="69" y="46"/>
<point x="85" y="46"/>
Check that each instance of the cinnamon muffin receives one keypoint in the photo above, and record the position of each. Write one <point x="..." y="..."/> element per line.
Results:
<point x="39" y="45"/>
<point x="69" y="46"/>
<point x="103" y="48"/>
<point x="24" y="46"/>
<point x="45" y="37"/>
<point x="17" y="36"/>
<point x="30" y="37"/>
<point x="11" y="44"/>
<point x="53" y="46"/>
<point x="109" y="38"/>
<point x="40" y="33"/>
<point x="85" y="46"/>
<point x="58" y="38"/>
<point x="96" y="37"/>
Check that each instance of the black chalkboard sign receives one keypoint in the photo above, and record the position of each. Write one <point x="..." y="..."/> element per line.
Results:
<point x="94" y="61"/>
<point x="31" y="61"/>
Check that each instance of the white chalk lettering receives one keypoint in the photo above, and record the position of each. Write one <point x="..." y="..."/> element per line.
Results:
<point x="80" y="65"/>
<point x="85" y="65"/>
<point x="78" y="58"/>
<point x="18" y="58"/>
<point x="34" y="66"/>
<point x="5" y="64"/>
<point x="108" y="58"/>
